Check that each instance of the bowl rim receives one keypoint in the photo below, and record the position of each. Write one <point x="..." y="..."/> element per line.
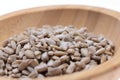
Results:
<point x="109" y="12"/>
<point x="77" y="75"/>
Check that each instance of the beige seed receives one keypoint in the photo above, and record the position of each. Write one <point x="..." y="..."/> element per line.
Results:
<point x="99" y="47"/>
<point x="64" y="58"/>
<point x="70" y="68"/>
<point x="84" y="45"/>
<point x="85" y="60"/>
<point x="84" y="52"/>
<point x="10" y="72"/>
<point x="77" y="54"/>
<point x="27" y="46"/>
<point x="97" y="58"/>
<point x="93" y="62"/>
<point x="88" y="66"/>
<point x="56" y="63"/>
<point x="8" y="50"/>
<point x="78" y="38"/>
<point x="54" y="71"/>
<point x="41" y="67"/>
<point x="2" y="64"/>
<point x="59" y="53"/>
<point x="50" y="62"/>
<point x="67" y="37"/>
<point x="110" y="43"/>
<point x="75" y="58"/>
<point x="56" y="47"/>
<point x="100" y="51"/>
<point x="25" y="72"/>
<point x="45" y="45"/>
<point x="21" y="54"/>
<point x="96" y="44"/>
<point x="30" y="69"/>
<point x="91" y="50"/>
<point x="8" y="67"/>
<point x="108" y="53"/>
<point x="29" y="54"/>
<point x="33" y="74"/>
<point x="100" y="38"/>
<point x="34" y="62"/>
<point x="103" y="43"/>
<point x="37" y="54"/>
<point x="80" y="64"/>
<point x="11" y="58"/>
<point x="54" y="38"/>
<point x="45" y="57"/>
<point x="103" y="58"/>
<point x="38" y="45"/>
<point x="50" y="53"/>
<point x="16" y="63"/>
<point x="49" y="48"/>
<point x="78" y="68"/>
<point x="9" y="45"/>
<point x="1" y="52"/>
<point x="41" y="76"/>
<point x="23" y="64"/>
<point x="82" y="30"/>
<point x="2" y="72"/>
<point x="89" y="42"/>
<point x="64" y="45"/>
<point x="13" y="44"/>
<point x="18" y="75"/>
<point x="15" y="70"/>
<point x="108" y="47"/>
<point x="95" y="39"/>
<point x="64" y="70"/>
<point x="33" y="41"/>
<point x="24" y="58"/>
<point x="77" y="45"/>
<point x="21" y="37"/>
<point x="6" y="71"/>
<point x="63" y="66"/>
<point x="71" y="51"/>
<point x="50" y="41"/>
<point x="3" y="57"/>
<point x="18" y="48"/>
<point x="112" y="50"/>
<point x="55" y="57"/>
<point x="42" y="48"/>
<point x="76" y="49"/>
<point x="23" y="41"/>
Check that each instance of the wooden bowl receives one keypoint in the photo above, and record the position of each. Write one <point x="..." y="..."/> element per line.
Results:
<point x="98" y="20"/>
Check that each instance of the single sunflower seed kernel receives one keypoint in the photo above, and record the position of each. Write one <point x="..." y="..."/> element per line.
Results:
<point x="29" y="54"/>
<point x="8" y="50"/>
<point x="70" y="68"/>
<point x="41" y="68"/>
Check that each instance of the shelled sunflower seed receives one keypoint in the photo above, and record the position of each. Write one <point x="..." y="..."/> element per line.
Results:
<point x="53" y="50"/>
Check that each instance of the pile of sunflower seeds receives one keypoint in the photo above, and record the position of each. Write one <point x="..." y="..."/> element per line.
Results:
<point x="51" y="51"/>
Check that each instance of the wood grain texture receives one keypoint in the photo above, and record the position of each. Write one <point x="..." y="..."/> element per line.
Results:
<point x="98" y="20"/>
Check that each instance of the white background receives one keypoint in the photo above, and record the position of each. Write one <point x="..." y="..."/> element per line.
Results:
<point x="7" y="6"/>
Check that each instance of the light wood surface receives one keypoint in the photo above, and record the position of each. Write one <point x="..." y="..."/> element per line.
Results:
<point x="98" y="20"/>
